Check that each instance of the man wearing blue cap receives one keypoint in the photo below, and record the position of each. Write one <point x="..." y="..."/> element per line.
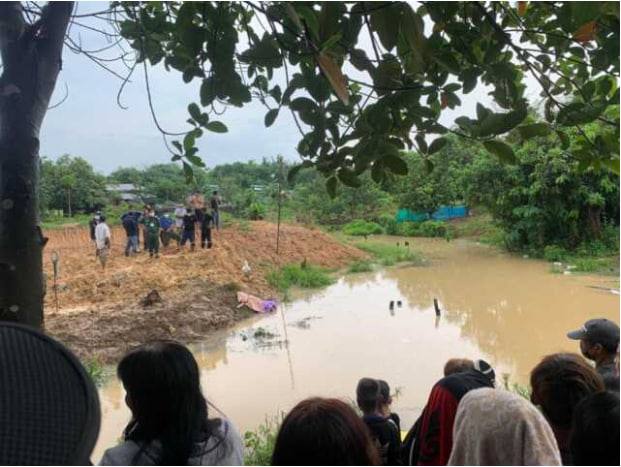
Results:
<point x="599" y="342"/>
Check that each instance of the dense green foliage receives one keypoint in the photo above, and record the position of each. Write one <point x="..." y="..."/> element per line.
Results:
<point x="70" y="184"/>
<point x="362" y="228"/>
<point x="546" y="197"/>
<point x="259" y="444"/>
<point x="355" y="112"/>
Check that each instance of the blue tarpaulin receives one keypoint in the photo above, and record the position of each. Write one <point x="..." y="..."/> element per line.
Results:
<point x="442" y="213"/>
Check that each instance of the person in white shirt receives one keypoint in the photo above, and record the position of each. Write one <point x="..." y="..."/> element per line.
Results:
<point x="102" y="241"/>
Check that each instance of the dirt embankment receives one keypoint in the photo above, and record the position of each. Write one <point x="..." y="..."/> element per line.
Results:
<point x="100" y="314"/>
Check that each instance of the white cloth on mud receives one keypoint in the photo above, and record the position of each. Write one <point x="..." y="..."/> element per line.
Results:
<point x="225" y="447"/>
<point x="497" y="427"/>
<point x="102" y="231"/>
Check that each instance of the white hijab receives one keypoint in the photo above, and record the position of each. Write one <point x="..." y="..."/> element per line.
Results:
<point x="497" y="427"/>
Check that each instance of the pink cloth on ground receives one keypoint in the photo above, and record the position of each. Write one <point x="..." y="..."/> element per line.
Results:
<point x="252" y="302"/>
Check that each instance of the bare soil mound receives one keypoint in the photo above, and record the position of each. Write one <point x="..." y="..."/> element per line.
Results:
<point x="100" y="313"/>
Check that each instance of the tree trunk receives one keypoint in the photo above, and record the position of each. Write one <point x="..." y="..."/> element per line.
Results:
<point x="69" y="201"/>
<point x="31" y="59"/>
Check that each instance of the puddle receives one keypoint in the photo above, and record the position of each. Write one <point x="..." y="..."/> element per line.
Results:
<point x="507" y="310"/>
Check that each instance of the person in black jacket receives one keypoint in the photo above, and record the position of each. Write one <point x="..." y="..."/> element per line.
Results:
<point x="205" y="221"/>
<point x="130" y="224"/>
<point x="383" y="429"/>
<point x="188" y="229"/>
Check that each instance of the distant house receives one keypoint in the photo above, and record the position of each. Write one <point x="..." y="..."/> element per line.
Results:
<point x="127" y="193"/>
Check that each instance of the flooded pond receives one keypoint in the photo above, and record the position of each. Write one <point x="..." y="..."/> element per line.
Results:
<point x="505" y="309"/>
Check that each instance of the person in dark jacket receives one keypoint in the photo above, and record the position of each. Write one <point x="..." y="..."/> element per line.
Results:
<point x="205" y="222"/>
<point x="599" y="342"/>
<point x="130" y="224"/>
<point x="188" y="229"/>
<point x="430" y="440"/>
<point x="594" y="438"/>
<point x="384" y="431"/>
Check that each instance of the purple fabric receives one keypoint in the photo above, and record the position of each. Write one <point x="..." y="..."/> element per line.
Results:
<point x="269" y="305"/>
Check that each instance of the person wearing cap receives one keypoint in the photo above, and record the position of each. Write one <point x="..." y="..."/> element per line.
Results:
<point x="599" y="340"/>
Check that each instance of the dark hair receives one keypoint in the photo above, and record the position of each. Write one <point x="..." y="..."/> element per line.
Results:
<point x="368" y="394"/>
<point x="102" y="218"/>
<point x="559" y="382"/>
<point x="324" y="432"/>
<point x="594" y="438"/>
<point x="384" y="391"/>
<point x="215" y="192"/>
<point x="457" y="365"/>
<point x="164" y="395"/>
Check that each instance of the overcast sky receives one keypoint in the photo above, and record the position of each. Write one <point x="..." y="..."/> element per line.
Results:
<point x="90" y="124"/>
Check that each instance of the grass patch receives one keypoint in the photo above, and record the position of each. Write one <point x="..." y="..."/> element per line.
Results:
<point x="260" y="443"/>
<point x="360" y="266"/>
<point x="305" y="276"/>
<point x="480" y="228"/>
<point x="95" y="370"/>
<point x="362" y="228"/>
<point x="387" y="254"/>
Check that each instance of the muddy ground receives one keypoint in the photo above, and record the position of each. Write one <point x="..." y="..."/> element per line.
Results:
<point x="99" y="314"/>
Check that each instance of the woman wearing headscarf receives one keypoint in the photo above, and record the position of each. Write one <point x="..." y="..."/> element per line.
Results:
<point x="430" y="440"/>
<point x="497" y="427"/>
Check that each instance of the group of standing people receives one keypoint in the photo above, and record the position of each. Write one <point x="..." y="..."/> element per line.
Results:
<point x="572" y="417"/>
<point x="156" y="229"/>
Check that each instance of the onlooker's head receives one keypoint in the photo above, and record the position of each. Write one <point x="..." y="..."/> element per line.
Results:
<point x="385" y="397"/>
<point x="215" y="193"/>
<point x="368" y="395"/>
<point x="458" y="365"/>
<point x="559" y="382"/>
<point x="102" y="218"/>
<point x="483" y="367"/>
<point x="162" y="383"/>
<point x="599" y="339"/>
<point x="497" y="427"/>
<point x="594" y="437"/>
<point x="324" y="432"/>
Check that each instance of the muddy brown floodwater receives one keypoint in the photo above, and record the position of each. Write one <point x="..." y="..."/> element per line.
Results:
<point x="505" y="309"/>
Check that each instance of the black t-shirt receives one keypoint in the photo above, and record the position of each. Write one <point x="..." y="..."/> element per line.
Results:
<point x="188" y="222"/>
<point x="387" y="438"/>
<point x="215" y="203"/>
<point x="206" y="221"/>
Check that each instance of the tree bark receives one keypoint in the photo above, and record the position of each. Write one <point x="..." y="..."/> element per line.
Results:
<point x="31" y="59"/>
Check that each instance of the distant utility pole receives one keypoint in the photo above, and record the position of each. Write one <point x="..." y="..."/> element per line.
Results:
<point x="279" y="199"/>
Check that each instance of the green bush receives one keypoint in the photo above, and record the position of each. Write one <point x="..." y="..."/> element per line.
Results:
<point x="360" y="266"/>
<point x="95" y="370"/>
<point x="360" y="227"/>
<point x="260" y="443"/>
<point x="554" y="253"/>
<point x="255" y="211"/>
<point x="306" y="276"/>
<point x="432" y="228"/>
<point x="390" y="224"/>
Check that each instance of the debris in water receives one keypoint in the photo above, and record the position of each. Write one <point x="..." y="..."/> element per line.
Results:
<point x="436" y="306"/>
<point x="399" y="303"/>
<point x="391" y="305"/>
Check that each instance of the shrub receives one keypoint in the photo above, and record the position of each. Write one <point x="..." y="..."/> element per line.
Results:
<point x="390" y="224"/>
<point x="432" y="228"/>
<point x="361" y="227"/>
<point x="260" y="442"/>
<point x="360" y="266"/>
<point x="554" y="253"/>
